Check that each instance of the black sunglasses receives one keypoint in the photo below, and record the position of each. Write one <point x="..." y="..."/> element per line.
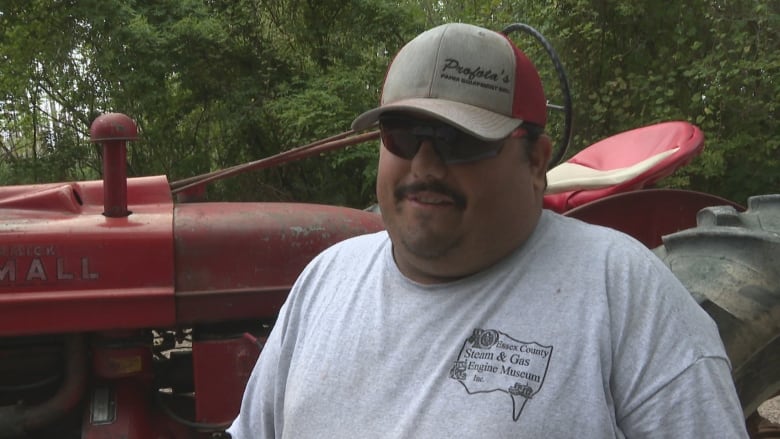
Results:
<point x="403" y="136"/>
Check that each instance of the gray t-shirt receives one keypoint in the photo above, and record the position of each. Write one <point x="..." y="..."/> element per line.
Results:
<point x="581" y="332"/>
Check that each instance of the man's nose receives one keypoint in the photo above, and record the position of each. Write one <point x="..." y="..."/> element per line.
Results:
<point x="427" y="163"/>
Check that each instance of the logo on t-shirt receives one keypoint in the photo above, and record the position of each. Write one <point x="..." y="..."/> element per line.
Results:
<point x="491" y="361"/>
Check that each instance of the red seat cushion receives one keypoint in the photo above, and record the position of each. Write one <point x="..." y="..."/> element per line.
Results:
<point x="627" y="149"/>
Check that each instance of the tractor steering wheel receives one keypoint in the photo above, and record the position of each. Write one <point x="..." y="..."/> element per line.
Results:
<point x="566" y="107"/>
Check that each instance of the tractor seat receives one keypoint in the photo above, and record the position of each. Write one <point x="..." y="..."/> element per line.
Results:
<point x="627" y="161"/>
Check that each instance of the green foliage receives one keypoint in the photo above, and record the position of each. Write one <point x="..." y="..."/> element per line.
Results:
<point x="220" y="82"/>
<point x="638" y="62"/>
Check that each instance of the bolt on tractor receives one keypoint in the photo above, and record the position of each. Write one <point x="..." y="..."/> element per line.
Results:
<point x="128" y="311"/>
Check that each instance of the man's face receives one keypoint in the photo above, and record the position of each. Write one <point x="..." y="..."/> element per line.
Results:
<point x="451" y="220"/>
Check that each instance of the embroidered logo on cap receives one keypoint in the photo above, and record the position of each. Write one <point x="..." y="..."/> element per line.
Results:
<point x="453" y="70"/>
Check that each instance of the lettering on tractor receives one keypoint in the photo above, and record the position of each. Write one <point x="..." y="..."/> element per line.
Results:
<point x="45" y="269"/>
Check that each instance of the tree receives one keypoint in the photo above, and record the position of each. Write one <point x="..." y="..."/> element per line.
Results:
<point x="214" y="83"/>
<point x="715" y="64"/>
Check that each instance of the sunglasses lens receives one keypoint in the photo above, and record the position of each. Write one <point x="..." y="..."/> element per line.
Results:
<point x="403" y="137"/>
<point x="468" y="149"/>
<point x="400" y="142"/>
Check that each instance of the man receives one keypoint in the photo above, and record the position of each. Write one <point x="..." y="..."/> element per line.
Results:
<point x="478" y="314"/>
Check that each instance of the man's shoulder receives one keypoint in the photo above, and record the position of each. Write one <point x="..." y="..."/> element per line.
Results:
<point x="574" y="242"/>
<point x="355" y="247"/>
<point x="575" y="232"/>
<point x="341" y="261"/>
<point x="360" y="242"/>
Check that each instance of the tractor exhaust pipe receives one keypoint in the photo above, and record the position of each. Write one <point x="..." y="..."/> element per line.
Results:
<point x="114" y="130"/>
<point x="18" y="420"/>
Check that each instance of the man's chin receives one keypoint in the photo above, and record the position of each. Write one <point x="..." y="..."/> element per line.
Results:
<point x="430" y="247"/>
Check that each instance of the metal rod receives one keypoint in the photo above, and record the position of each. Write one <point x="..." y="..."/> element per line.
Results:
<point x="331" y="143"/>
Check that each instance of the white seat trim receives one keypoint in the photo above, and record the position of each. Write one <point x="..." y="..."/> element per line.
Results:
<point x="572" y="177"/>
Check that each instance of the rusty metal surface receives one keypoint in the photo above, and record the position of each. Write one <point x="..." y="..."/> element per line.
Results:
<point x="239" y="260"/>
<point x="113" y="127"/>
<point x="66" y="267"/>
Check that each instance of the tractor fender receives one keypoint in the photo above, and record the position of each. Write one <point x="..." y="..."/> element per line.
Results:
<point x="730" y="263"/>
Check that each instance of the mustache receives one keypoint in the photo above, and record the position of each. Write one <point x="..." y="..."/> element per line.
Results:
<point x="431" y="186"/>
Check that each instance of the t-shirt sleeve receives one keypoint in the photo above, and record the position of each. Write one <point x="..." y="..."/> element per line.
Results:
<point x="700" y="402"/>
<point x="262" y="408"/>
<point x="260" y="414"/>
<point x="670" y="374"/>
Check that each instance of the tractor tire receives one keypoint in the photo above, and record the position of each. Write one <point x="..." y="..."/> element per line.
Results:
<point x="730" y="262"/>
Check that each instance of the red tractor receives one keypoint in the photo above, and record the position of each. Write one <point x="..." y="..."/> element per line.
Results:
<point x="127" y="314"/>
<point x="123" y="314"/>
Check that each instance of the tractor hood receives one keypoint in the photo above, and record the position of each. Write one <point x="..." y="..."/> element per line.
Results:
<point x="67" y="267"/>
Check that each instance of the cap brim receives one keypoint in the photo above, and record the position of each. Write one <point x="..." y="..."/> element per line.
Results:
<point x="480" y="123"/>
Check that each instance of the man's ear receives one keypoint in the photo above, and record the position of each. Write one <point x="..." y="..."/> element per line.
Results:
<point x="540" y="159"/>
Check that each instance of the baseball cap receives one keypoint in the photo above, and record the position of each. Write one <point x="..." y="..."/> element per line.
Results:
<point x="470" y="77"/>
